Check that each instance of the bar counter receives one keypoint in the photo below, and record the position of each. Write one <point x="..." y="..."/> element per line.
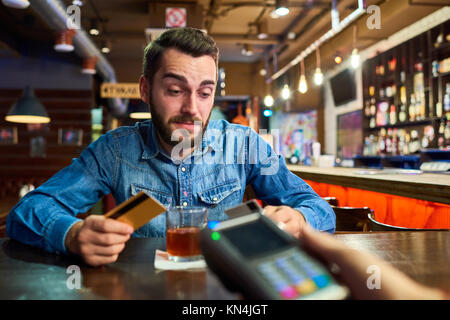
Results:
<point x="432" y="187"/>
<point x="30" y="273"/>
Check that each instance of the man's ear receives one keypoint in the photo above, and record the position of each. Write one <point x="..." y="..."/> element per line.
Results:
<point x="144" y="89"/>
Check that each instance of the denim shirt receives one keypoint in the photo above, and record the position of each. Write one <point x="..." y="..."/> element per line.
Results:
<point x="129" y="159"/>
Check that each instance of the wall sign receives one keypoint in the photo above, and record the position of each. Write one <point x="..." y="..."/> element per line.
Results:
<point x="175" y="17"/>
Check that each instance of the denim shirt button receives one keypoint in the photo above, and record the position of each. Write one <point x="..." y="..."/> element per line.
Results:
<point x="183" y="169"/>
<point x="185" y="204"/>
<point x="215" y="199"/>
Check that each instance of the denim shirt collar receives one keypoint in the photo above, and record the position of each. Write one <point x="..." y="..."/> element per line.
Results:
<point x="152" y="146"/>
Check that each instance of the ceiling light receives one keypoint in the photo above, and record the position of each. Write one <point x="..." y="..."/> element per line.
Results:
<point x="77" y="2"/>
<point x="95" y="29"/>
<point x="285" y="92"/>
<point x="16" y="4"/>
<point x="64" y="40"/>
<point x="302" y="84"/>
<point x="337" y="58"/>
<point x="355" y="55"/>
<point x="355" y="58"/>
<point x="106" y="47"/>
<point x="27" y="109"/>
<point x="318" y="77"/>
<point x="262" y="32"/>
<point x="262" y="72"/>
<point x="139" y="110"/>
<point x="291" y="35"/>
<point x="247" y="50"/>
<point x="268" y="101"/>
<point x="281" y="8"/>
<point x="89" y="65"/>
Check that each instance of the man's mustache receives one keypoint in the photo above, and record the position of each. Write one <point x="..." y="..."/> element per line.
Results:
<point x="184" y="118"/>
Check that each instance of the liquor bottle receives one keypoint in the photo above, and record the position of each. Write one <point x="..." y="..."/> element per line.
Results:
<point x="420" y="107"/>
<point x="392" y="115"/>
<point x="438" y="109"/>
<point x="395" y="142"/>
<point x="447" y="101"/>
<point x="439" y="40"/>
<point x="447" y="134"/>
<point x="412" y="108"/>
<point x="389" y="141"/>
<point x="401" y="142"/>
<point x="414" y="143"/>
<point x="406" y="150"/>
<point x="441" y="138"/>
<point x="367" y="109"/>
<point x="382" y="141"/>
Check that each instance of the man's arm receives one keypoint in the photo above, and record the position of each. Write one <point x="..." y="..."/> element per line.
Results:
<point x="44" y="216"/>
<point x="275" y="184"/>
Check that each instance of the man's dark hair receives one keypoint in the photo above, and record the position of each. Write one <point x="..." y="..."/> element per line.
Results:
<point x="190" y="41"/>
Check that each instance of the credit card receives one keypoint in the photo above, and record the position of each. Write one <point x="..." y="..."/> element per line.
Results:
<point x="137" y="210"/>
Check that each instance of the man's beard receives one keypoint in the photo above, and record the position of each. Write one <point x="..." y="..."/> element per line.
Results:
<point x="165" y="133"/>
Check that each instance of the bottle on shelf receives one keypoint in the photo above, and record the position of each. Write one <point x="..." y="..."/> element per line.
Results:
<point x="438" y="109"/>
<point x="406" y="150"/>
<point x="392" y="114"/>
<point x="414" y="143"/>
<point x="389" y="141"/>
<point x="447" y="134"/>
<point x="382" y="142"/>
<point x="395" y="145"/>
<point x="447" y="101"/>
<point x="441" y="132"/>
<point x="420" y="107"/>
<point x="412" y="108"/>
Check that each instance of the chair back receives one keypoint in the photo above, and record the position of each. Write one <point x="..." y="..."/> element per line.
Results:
<point x="374" y="225"/>
<point x="332" y="201"/>
<point x="352" y="219"/>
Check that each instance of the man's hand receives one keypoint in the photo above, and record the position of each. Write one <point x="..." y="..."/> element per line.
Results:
<point x="98" y="240"/>
<point x="288" y="219"/>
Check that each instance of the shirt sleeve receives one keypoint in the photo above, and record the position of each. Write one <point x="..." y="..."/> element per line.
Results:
<point x="275" y="184"/>
<point x="44" y="216"/>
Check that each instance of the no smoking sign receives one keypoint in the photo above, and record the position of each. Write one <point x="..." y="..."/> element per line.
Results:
<point x="175" y="17"/>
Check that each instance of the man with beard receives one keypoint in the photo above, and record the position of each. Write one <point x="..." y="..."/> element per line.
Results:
<point x="178" y="157"/>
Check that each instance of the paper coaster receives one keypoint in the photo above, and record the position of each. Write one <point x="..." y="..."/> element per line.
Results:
<point x="162" y="262"/>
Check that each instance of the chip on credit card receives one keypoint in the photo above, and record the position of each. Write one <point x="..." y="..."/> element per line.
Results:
<point x="137" y="210"/>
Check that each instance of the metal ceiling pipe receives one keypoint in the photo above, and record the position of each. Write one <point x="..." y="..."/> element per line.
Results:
<point x="55" y="14"/>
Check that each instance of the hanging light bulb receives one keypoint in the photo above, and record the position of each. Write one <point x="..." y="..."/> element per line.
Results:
<point x="281" y="8"/>
<point x="285" y="92"/>
<point x="318" y="77"/>
<point x="302" y="84"/>
<point x="106" y="47"/>
<point x="268" y="101"/>
<point x="355" y="58"/>
<point x="355" y="55"/>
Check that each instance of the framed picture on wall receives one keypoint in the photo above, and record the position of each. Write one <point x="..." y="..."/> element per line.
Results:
<point x="70" y="137"/>
<point x="8" y="135"/>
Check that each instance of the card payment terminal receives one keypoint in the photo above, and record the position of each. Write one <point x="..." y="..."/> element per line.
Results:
<point x="252" y="255"/>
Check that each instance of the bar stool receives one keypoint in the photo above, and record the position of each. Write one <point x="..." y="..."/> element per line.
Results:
<point x="352" y="219"/>
<point x="332" y="201"/>
<point x="375" y="225"/>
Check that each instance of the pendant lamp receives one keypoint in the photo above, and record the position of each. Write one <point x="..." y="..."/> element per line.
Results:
<point x="27" y="109"/>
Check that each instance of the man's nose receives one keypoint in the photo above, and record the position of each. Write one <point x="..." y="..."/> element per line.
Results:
<point x="190" y="104"/>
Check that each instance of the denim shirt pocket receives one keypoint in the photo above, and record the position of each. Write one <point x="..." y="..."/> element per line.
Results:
<point x="157" y="226"/>
<point x="219" y="198"/>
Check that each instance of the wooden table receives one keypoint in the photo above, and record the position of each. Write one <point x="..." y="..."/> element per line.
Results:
<point x="29" y="273"/>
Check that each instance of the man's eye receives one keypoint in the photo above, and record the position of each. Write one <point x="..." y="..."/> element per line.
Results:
<point x="174" y="92"/>
<point x="205" y="94"/>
